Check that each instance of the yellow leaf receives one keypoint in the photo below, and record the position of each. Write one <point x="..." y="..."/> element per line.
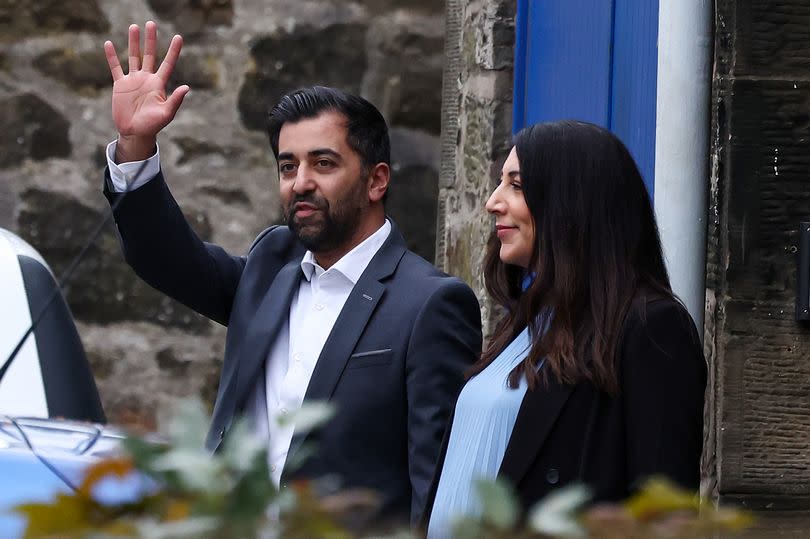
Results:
<point x="67" y="514"/>
<point x="119" y="528"/>
<point x="659" y="496"/>
<point x="177" y="510"/>
<point x="116" y="467"/>
<point x="732" y="519"/>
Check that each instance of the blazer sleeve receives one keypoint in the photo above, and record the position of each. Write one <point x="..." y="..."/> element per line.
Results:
<point x="663" y="380"/>
<point x="164" y="251"/>
<point x="445" y="341"/>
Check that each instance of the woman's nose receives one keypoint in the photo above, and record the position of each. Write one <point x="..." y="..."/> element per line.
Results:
<point x="493" y="204"/>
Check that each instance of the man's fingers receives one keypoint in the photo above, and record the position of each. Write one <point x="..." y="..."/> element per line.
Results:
<point x="134" y="48"/>
<point x="176" y="99"/>
<point x="150" y="47"/>
<point x="167" y="66"/>
<point x="112" y="60"/>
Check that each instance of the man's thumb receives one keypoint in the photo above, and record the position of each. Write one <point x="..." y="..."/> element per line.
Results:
<point x="176" y="99"/>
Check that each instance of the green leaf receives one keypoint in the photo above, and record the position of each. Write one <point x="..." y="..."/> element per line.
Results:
<point x="468" y="528"/>
<point x="195" y="527"/>
<point x="498" y="503"/>
<point x="556" y="514"/>
<point x="310" y="416"/>
<point x="196" y="469"/>
<point x="401" y="534"/>
<point x="188" y="426"/>
<point x="242" y="449"/>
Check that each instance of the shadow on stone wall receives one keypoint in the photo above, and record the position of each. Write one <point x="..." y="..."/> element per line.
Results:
<point x="238" y="58"/>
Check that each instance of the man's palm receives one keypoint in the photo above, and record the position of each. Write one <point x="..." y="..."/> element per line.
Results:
<point x="140" y="106"/>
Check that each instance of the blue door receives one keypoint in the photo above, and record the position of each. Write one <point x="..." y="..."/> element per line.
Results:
<point x="592" y="60"/>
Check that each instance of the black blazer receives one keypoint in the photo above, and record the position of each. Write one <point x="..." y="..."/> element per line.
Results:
<point x="392" y="365"/>
<point x="654" y="426"/>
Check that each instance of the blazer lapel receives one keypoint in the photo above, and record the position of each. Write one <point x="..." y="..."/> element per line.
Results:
<point x="537" y="415"/>
<point x="273" y="311"/>
<point x="351" y="322"/>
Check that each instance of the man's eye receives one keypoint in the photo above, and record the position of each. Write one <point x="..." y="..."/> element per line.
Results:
<point x="286" y="167"/>
<point x="324" y="163"/>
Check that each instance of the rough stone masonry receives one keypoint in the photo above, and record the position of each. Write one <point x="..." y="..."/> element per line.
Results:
<point x="239" y="56"/>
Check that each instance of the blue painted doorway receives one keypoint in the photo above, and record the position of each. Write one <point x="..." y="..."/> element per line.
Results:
<point x="592" y="60"/>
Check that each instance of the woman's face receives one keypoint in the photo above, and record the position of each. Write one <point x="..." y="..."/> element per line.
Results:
<point x="513" y="221"/>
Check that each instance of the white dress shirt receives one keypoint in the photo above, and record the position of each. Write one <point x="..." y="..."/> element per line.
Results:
<point x="313" y="311"/>
<point x="122" y="174"/>
<point x="292" y="358"/>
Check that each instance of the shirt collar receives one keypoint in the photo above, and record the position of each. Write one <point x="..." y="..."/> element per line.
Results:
<point x="352" y="264"/>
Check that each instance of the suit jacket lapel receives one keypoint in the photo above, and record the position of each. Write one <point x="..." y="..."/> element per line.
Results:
<point x="351" y="322"/>
<point x="354" y="317"/>
<point x="537" y="415"/>
<point x="272" y="312"/>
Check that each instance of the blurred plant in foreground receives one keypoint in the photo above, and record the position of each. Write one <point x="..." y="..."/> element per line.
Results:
<point x="186" y="492"/>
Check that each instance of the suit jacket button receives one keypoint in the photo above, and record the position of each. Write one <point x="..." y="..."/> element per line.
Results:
<point x="552" y="476"/>
<point x="221" y="434"/>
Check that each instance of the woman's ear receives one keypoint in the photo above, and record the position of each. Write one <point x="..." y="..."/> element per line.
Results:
<point x="379" y="178"/>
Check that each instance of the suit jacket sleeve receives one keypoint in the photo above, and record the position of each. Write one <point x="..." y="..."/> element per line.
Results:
<point x="446" y="340"/>
<point x="165" y="252"/>
<point x="663" y="380"/>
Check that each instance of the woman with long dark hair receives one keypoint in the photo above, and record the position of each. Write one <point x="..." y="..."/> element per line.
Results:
<point x="595" y="373"/>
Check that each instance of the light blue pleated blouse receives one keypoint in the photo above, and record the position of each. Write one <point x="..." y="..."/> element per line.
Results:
<point x="482" y="424"/>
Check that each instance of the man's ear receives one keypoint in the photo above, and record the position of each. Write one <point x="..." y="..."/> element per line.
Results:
<point x="378" y="181"/>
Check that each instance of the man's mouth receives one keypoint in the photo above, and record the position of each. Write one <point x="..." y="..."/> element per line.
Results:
<point x="304" y="209"/>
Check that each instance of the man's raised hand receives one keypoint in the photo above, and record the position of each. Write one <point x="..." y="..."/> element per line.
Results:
<point x="140" y="107"/>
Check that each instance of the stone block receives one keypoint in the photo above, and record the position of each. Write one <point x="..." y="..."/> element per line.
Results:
<point x="412" y="204"/>
<point x="488" y="37"/>
<point x="192" y="17"/>
<point x="85" y="72"/>
<point x="405" y="74"/>
<point x="331" y="56"/>
<point x="434" y="7"/>
<point x="103" y="288"/>
<point x="32" y="128"/>
<point x="199" y="70"/>
<point x="26" y="18"/>
<point x="191" y="149"/>
<point x="772" y="38"/>
<point x="764" y="390"/>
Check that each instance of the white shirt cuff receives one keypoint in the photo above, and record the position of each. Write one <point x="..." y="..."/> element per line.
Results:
<point x="123" y="173"/>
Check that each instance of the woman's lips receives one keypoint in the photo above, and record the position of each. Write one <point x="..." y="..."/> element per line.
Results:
<point x="503" y="231"/>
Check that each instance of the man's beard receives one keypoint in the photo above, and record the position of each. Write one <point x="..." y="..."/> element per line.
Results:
<point x="332" y="225"/>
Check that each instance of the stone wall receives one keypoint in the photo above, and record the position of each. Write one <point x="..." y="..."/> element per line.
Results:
<point x="759" y="193"/>
<point x="476" y="135"/>
<point x="239" y="56"/>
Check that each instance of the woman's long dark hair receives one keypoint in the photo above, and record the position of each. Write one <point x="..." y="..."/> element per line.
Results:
<point x="596" y="247"/>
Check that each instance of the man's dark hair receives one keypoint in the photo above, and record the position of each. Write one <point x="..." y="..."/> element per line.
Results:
<point x="367" y="132"/>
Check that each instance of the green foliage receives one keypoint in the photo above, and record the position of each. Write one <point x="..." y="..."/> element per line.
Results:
<point x="556" y="515"/>
<point x="231" y="495"/>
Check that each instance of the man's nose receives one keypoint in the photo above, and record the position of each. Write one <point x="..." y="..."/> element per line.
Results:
<point x="303" y="181"/>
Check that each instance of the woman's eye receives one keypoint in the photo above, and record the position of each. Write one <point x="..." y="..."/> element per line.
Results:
<point x="517" y="186"/>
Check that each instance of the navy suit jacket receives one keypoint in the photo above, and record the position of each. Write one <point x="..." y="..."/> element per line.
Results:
<point x="392" y="365"/>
